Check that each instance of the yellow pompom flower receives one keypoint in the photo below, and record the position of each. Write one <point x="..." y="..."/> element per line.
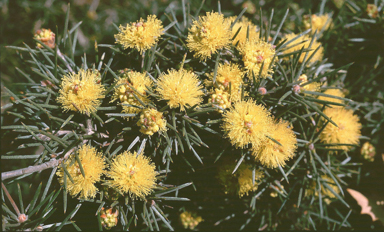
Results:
<point x="240" y="182"/>
<point x="334" y="92"/>
<point x="313" y="86"/>
<point x="297" y="45"/>
<point x="241" y="37"/>
<point x="132" y="174"/>
<point x="271" y="154"/>
<point x="125" y="94"/>
<point x="93" y="165"/>
<point x="151" y="121"/>
<point x="46" y="36"/>
<point x="228" y="73"/>
<point x="246" y="123"/>
<point x="81" y="92"/>
<point x="208" y="35"/>
<point x="318" y="22"/>
<point x="326" y="193"/>
<point x="346" y="132"/>
<point x="180" y="88"/>
<point x="255" y="53"/>
<point x="141" y="34"/>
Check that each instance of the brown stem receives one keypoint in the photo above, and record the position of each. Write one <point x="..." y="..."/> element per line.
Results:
<point x="10" y="198"/>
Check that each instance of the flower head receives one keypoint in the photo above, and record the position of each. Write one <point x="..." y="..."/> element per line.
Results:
<point x="334" y="92"/>
<point x="220" y="99"/>
<point x="372" y="10"/>
<point x="46" y="36"/>
<point x="272" y="154"/>
<point x="132" y="174"/>
<point x="109" y="218"/>
<point x="346" y="132"/>
<point x="241" y="37"/>
<point x="208" y="35"/>
<point x="256" y="53"/>
<point x="228" y="75"/>
<point x="317" y="22"/>
<point x="93" y="165"/>
<point x="190" y="220"/>
<point x="81" y="92"/>
<point x="240" y="182"/>
<point x="325" y="191"/>
<point x="151" y="121"/>
<point x="180" y="88"/>
<point x="368" y="151"/>
<point x="246" y="123"/>
<point x="141" y="34"/>
<point x="126" y="87"/>
<point x="304" y="41"/>
<point x="313" y="86"/>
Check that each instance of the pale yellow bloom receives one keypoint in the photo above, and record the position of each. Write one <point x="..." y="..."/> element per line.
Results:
<point x="151" y="121"/>
<point x="228" y="73"/>
<point x="208" y="35"/>
<point x="326" y="193"/>
<point x="241" y="37"/>
<point x="368" y="151"/>
<point x="246" y="123"/>
<point x="313" y="86"/>
<point x="245" y="180"/>
<point x="272" y="154"/>
<point x="297" y="45"/>
<point x="132" y="174"/>
<point x="140" y="35"/>
<point x="93" y="164"/>
<point x="190" y="220"/>
<point x="255" y="53"/>
<point x="180" y="88"/>
<point x="318" y="22"/>
<point x="334" y="92"/>
<point x="124" y="90"/>
<point x="346" y="132"/>
<point x="46" y="36"/>
<point x="220" y="99"/>
<point x="81" y="92"/>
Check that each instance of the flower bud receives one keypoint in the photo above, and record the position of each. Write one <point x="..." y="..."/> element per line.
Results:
<point x="46" y="36"/>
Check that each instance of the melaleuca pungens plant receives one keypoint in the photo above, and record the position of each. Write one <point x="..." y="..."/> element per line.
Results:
<point x="176" y="95"/>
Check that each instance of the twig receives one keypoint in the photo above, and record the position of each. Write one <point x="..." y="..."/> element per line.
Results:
<point x="31" y="169"/>
<point x="10" y="198"/>
<point x="65" y="61"/>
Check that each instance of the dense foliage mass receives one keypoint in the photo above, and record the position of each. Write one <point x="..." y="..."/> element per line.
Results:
<point x="201" y="116"/>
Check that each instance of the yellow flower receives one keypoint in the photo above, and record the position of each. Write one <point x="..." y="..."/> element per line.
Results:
<point x="190" y="220"/>
<point x="372" y="10"/>
<point x="180" y="88"/>
<point x="81" y="92"/>
<point x="93" y="164"/>
<point x="272" y="154"/>
<point x="46" y="36"/>
<point x="246" y="123"/>
<point x="245" y="180"/>
<point x="125" y="94"/>
<point x="334" y="92"/>
<point x="255" y="53"/>
<point x="132" y="174"/>
<point x="325" y="192"/>
<point x="241" y="37"/>
<point x="318" y="22"/>
<point x="297" y="45"/>
<point x="151" y="121"/>
<point x="313" y="87"/>
<point x="208" y="35"/>
<point x="368" y="151"/>
<point x="241" y="181"/>
<point x="347" y="132"/>
<point x="228" y="73"/>
<point x="219" y="99"/>
<point x="141" y="35"/>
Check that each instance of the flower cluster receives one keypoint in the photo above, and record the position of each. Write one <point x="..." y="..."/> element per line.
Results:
<point x="46" y="36"/>
<point x="368" y="151"/>
<point x="190" y="220"/>
<point x="180" y="88"/>
<point x="140" y="35"/>
<point x="317" y="23"/>
<point x="304" y="42"/>
<point x="93" y="165"/>
<point x="208" y="35"/>
<point x="132" y="174"/>
<point x="81" y="92"/>
<point x="246" y="27"/>
<point x="109" y="218"/>
<point x="151" y="121"/>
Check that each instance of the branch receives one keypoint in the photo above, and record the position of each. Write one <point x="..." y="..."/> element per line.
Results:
<point x="31" y="169"/>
